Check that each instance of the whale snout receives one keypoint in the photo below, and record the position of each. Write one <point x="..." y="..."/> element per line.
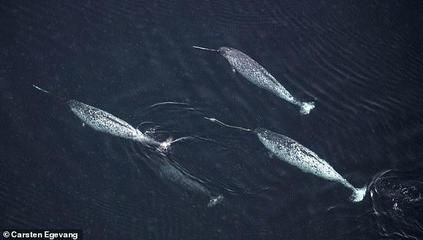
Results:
<point x="261" y="131"/>
<point x="224" y="50"/>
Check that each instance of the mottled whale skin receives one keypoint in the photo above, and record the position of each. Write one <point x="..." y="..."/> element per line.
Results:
<point x="103" y="121"/>
<point x="258" y="75"/>
<point x="303" y="158"/>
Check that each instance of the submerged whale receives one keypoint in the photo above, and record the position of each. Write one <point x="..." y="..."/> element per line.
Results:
<point x="299" y="156"/>
<point x="258" y="75"/>
<point x="172" y="172"/>
<point x="103" y="121"/>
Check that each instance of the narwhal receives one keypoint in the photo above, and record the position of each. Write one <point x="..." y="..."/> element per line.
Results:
<point x="103" y="121"/>
<point x="258" y="75"/>
<point x="172" y="172"/>
<point x="294" y="153"/>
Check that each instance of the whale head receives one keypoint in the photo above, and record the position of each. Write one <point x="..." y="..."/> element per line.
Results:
<point x="263" y="133"/>
<point x="260" y="131"/>
<point x="225" y="51"/>
<point x="268" y="137"/>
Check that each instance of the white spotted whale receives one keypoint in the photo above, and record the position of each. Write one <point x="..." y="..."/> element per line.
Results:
<point x="103" y="121"/>
<point x="258" y="75"/>
<point x="303" y="158"/>
<point x="292" y="152"/>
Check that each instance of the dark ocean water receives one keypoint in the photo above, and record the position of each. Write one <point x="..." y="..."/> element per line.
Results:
<point x="360" y="61"/>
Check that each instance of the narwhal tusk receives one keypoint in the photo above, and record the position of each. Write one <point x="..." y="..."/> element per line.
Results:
<point x="205" y="49"/>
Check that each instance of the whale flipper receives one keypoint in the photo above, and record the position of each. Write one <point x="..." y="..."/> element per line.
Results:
<point x="270" y="154"/>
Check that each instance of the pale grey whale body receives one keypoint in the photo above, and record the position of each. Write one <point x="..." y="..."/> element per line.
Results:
<point x="303" y="158"/>
<point x="103" y="121"/>
<point x="258" y="75"/>
<point x="290" y="151"/>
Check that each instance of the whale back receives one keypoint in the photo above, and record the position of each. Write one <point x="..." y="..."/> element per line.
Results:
<point x="102" y="121"/>
<point x="239" y="60"/>
<point x="254" y="72"/>
<point x="297" y="155"/>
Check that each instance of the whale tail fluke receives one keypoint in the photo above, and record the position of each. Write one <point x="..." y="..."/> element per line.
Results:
<point x="215" y="200"/>
<point x="358" y="194"/>
<point x="306" y="107"/>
